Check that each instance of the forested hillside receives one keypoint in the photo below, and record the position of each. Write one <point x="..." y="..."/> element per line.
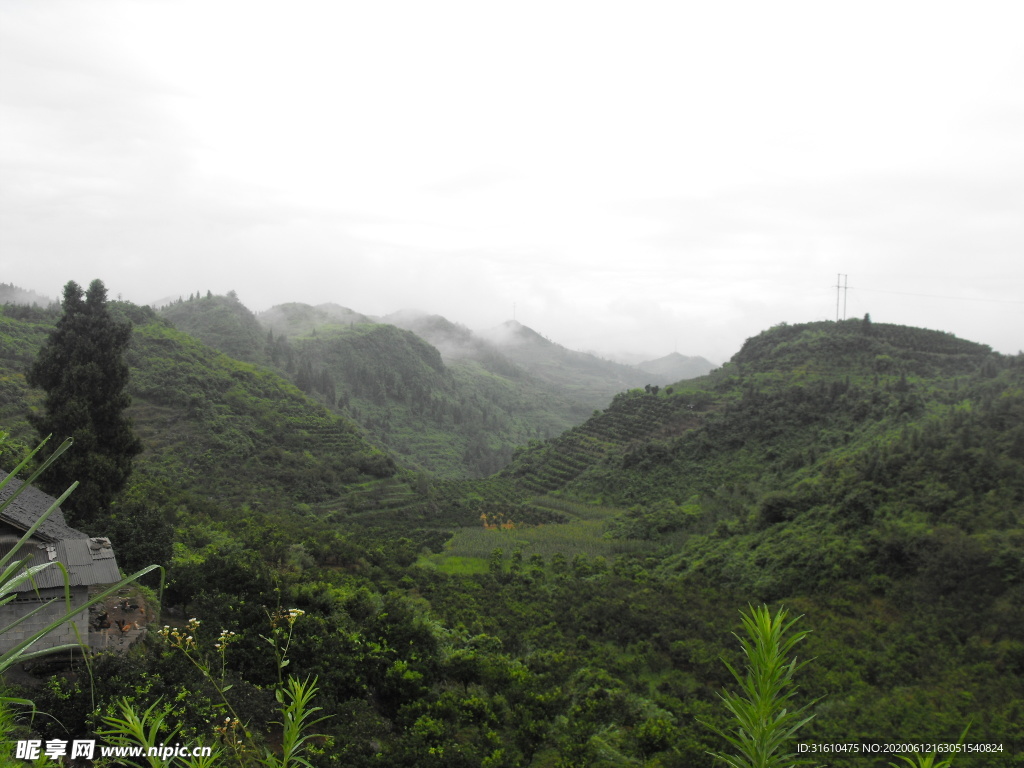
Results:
<point x="871" y="474"/>
<point x="211" y="423"/>
<point x="574" y="609"/>
<point x="591" y="379"/>
<point x="12" y="294"/>
<point x="438" y="397"/>
<point x="221" y="322"/>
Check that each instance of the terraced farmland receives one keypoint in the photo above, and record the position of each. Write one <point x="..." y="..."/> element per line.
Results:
<point x="632" y="416"/>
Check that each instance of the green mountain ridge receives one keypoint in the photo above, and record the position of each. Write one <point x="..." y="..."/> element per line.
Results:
<point x="296" y="319"/>
<point x="203" y="414"/>
<point x="591" y="378"/>
<point x="825" y="457"/>
<point x="457" y="343"/>
<point x="847" y="468"/>
<point x="450" y="419"/>
<point x="221" y="322"/>
<point x="795" y="402"/>
<point x="437" y="396"/>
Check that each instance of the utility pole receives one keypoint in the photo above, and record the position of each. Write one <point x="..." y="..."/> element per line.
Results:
<point x="841" y="283"/>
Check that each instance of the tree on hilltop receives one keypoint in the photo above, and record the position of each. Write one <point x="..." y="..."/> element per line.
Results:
<point x="81" y="366"/>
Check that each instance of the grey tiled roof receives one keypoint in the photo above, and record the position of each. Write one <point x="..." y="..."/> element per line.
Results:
<point x="88" y="560"/>
<point x="29" y="506"/>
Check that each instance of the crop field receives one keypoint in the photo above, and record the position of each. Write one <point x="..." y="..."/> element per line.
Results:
<point x="469" y="550"/>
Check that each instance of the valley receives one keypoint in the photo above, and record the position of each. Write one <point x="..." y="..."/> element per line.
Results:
<point x="511" y="554"/>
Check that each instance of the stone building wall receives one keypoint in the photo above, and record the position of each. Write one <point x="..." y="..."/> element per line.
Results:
<point x="62" y="635"/>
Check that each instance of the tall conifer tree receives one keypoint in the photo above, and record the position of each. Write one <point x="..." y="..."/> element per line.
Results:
<point x="82" y="369"/>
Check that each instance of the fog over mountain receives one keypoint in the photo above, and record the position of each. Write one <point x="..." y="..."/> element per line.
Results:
<point x="675" y="177"/>
<point x="675" y="366"/>
<point x="12" y="294"/>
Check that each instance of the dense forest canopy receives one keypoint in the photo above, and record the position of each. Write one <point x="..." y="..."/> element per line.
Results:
<point x="574" y="608"/>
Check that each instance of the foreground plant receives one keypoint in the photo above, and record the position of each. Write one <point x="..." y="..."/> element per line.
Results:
<point x="282" y="626"/>
<point x="16" y="572"/>
<point x="148" y="730"/>
<point x="763" y="723"/>
<point x="928" y="761"/>
<point x="230" y="733"/>
<point x="233" y="741"/>
<point x="294" y="698"/>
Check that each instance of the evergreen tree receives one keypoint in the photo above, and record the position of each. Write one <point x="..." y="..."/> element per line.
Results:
<point x="82" y="369"/>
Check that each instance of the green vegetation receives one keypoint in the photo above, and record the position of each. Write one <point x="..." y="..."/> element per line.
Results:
<point x="82" y="370"/>
<point x="237" y="430"/>
<point x="763" y="723"/>
<point x="432" y="394"/>
<point x="449" y="419"/>
<point x="221" y="322"/>
<point x="868" y="477"/>
<point x="17" y="571"/>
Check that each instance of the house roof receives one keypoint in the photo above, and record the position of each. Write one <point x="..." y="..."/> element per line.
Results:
<point x="29" y="506"/>
<point x="88" y="560"/>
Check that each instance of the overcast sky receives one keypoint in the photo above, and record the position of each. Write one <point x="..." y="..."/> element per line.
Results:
<point x="630" y="176"/>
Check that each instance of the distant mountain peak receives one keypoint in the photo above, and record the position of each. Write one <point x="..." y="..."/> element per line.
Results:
<point x="849" y="343"/>
<point x="408" y="315"/>
<point x="513" y="333"/>
<point x="677" y="367"/>
<point x="451" y="338"/>
<point x="298" y="319"/>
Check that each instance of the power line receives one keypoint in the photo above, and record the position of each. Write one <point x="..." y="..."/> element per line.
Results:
<point x="932" y="296"/>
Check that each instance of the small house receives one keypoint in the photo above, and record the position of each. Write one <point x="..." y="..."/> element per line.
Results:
<point x="89" y="562"/>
